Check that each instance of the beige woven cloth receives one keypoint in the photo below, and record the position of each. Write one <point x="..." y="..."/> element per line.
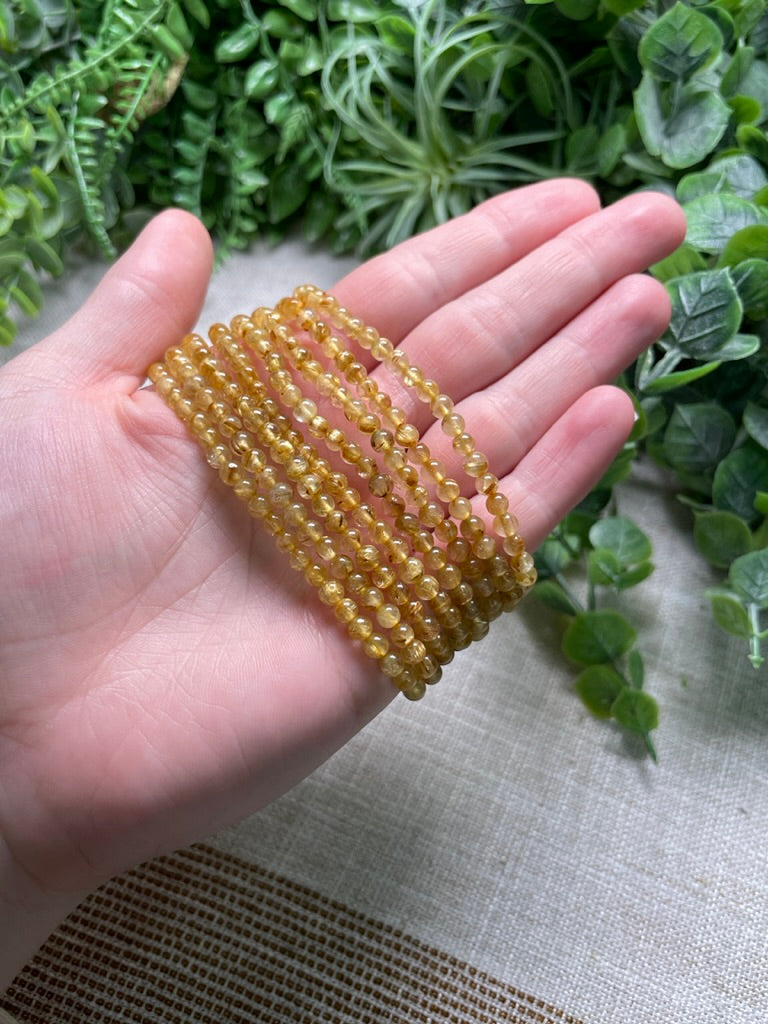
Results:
<point x="491" y="854"/>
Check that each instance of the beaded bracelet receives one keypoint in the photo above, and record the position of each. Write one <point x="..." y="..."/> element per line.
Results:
<point x="292" y="420"/>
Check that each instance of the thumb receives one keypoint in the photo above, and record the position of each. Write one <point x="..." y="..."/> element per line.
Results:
<point x="144" y="303"/>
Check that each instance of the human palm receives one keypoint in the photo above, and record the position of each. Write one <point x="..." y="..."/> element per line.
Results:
<point x="163" y="670"/>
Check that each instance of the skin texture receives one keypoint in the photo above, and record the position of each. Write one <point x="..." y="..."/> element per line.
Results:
<point x="163" y="671"/>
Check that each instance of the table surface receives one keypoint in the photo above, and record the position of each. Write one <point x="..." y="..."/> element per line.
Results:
<point x="492" y="853"/>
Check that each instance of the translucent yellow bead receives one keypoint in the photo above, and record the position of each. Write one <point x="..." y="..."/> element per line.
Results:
<point x="371" y="597"/>
<point x="380" y="485"/>
<point x="472" y="528"/>
<point x="305" y="410"/>
<point x="401" y="634"/>
<point x="507" y="524"/>
<point x="388" y="615"/>
<point x="426" y="588"/>
<point x="391" y="665"/>
<point x="367" y="424"/>
<point x="453" y="424"/>
<point x="487" y="484"/>
<point x="326" y="549"/>
<point x="476" y="464"/>
<point x="331" y="592"/>
<point x="497" y="504"/>
<point x="484" y="547"/>
<point x="368" y="557"/>
<point x="315" y="574"/>
<point x="449" y="577"/>
<point x="415" y="691"/>
<point x="309" y="485"/>
<point x="448" y="490"/>
<point x="442" y="406"/>
<point x="397" y="550"/>
<point x="431" y="514"/>
<point x="281" y="495"/>
<point x="464" y="443"/>
<point x="407" y="435"/>
<point x="383" y="576"/>
<point x="360" y="628"/>
<point x="460" y="508"/>
<point x="411" y="569"/>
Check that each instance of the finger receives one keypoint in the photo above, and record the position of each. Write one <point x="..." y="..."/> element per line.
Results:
<point x="398" y="289"/>
<point x="507" y="418"/>
<point x="476" y="339"/>
<point x="145" y="302"/>
<point x="568" y="461"/>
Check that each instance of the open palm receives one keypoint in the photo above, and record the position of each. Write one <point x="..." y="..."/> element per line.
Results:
<point x="163" y="670"/>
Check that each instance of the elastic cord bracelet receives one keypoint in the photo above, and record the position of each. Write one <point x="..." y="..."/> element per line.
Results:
<point x="294" y="423"/>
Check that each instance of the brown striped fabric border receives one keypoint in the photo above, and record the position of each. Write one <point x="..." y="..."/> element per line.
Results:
<point x="202" y="937"/>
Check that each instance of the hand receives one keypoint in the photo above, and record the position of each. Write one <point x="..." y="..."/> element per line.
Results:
<point x="163" y="671"/>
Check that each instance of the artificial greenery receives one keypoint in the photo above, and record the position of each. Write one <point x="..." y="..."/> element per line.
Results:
<point x="362" y="122"/>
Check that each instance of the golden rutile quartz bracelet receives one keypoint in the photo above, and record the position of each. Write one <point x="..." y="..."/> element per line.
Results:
<point x="292" y="420"/>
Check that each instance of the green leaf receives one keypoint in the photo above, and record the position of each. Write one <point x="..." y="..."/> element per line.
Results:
<point x="684" y="260"/>
<point x="729" y="612"/>
<point x="698" y="436"/>
<point x="631" y="577"/>
<point x="622" y="7"/>
<point x="282" y="25"/>
<point x="714" y="219"/>
<point x="706" y="313"/>
<point x="739" y="65"/>
<point x="680" y="43"/>
<point x="176" y="24"/>
<point x="740" y="346"/>
<point x="603" y="567"/>
<point x="354" y="11"/>
<point x="43" y="256"/>
<point x="636" y="711"/>
<point x="744" y="244"/>
<point x="238" y="44"/>
<point x="261" y="78"/>
<point x="685" y="135"/>
<point x="623" y="538"/>
<point x="199" y="11"/>
<point x="740" y="174"/>
<point x="552" y="556"/>
<point x="287" y="191"/>
<point x="746" y="109"/>
<point x="755" y="421"/>
<point x="598" y="687"/>
<point x="636" y="668"/>
<point x="753" y="141"/>
<point x="598" y="637"/>
<point x="167" y="42"/>
<point x="748" y="576"/>
<point x="577" y="10"/>
<point x="306" y="9"/>
<point x="678" y="379"/>
<point x="551" y="594"/>
<point x="27" y="293"/>
<point x="721" y="536"/>
<point x="12" y="256"/>
<point x="611" y="146"/>
<point x="751" y="280"/>
<point x="738" y="479"/>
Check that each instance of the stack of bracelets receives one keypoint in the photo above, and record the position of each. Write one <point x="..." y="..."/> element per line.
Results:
<point x="401" y="558"/>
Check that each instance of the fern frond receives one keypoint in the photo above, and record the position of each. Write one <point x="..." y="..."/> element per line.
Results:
<point x="82" y="157"/>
